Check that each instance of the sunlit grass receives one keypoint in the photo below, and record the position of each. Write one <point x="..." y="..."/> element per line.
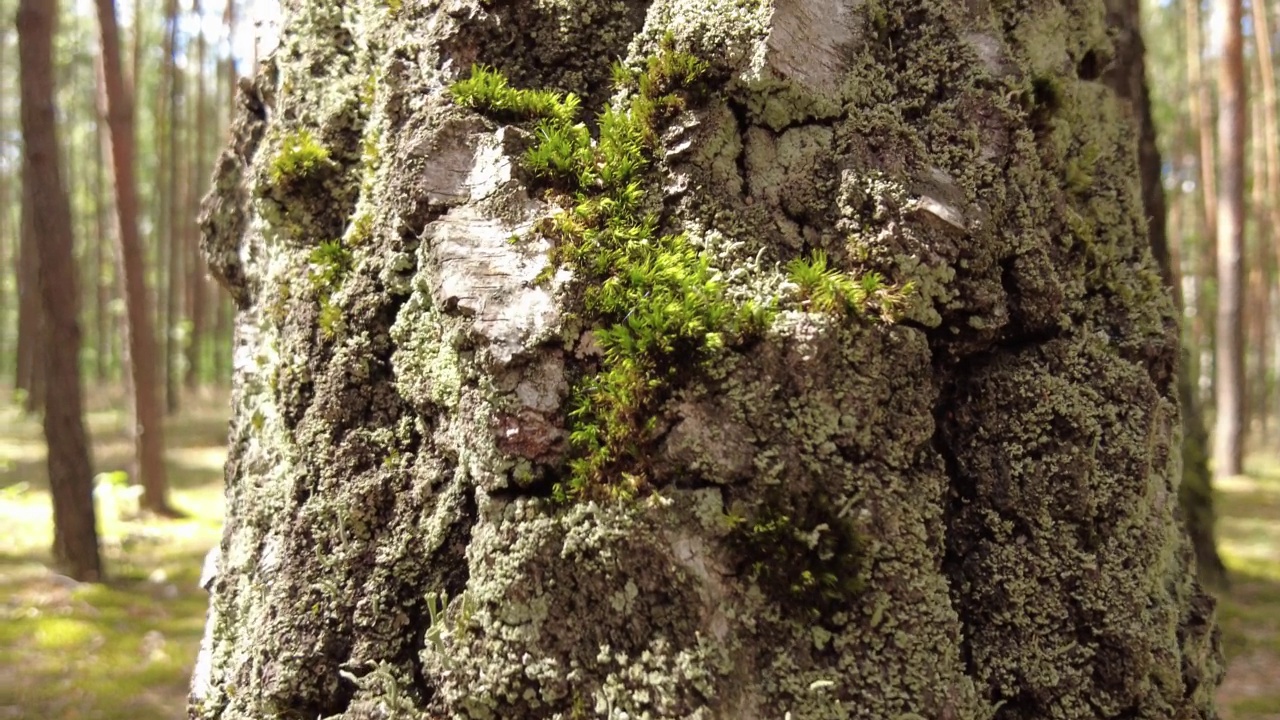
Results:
<point x="123" y="649"/>
<point x="1249" y="541"/>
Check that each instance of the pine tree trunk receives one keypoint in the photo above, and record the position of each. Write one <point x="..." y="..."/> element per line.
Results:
<point x="171" y="198"/>
<point x="1271" y="152"/>
<point x="1229" y="380"/>
<point x="8" y="250"/>
<point x="70" y="476"/>
<point x="140" y="344"/>
<point x="1200" y="107"/>
<point x="103" y="345"/>
<point x="30" y="369"/>
<point x="513" y="441"/>
<point x="197" y="185"/>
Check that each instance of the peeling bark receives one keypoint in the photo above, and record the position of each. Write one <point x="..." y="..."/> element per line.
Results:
<point x="991" y="482"/>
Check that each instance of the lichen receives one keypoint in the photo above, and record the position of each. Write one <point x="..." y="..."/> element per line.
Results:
<point x="1010" y="433"/>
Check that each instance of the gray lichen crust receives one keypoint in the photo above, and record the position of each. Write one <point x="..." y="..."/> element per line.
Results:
<point x="966" y="514"/>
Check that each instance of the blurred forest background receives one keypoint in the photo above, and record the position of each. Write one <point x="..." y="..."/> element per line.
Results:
<point x="123" y="647"/>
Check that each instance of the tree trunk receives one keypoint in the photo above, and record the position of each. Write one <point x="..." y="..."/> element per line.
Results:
<point x="1195" y="493"/>
<point x="103" y="344"/>
<point x="1229" y="383"/>
<point x="1258" y="280"/>
<point x="140" y="356"/>
<point x="169" y="127"/>
<point x="199" y="178"/>
<point x="529" y="427"/>
<point x="30" y="369"/>
<point x="8" y="250"/>
<point x="70" y="477"/>
<point x="1201" y="111"/>
<point x="1271" y="152"/>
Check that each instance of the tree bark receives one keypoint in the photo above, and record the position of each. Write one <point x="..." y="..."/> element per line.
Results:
<point x="30" y="370"/>
<point x="1195" y="494"/>
<point x="453" y="491"/>
<point x="1271" y="152"/>
<point x="1229" y="383"/>
<point x="169" y="127"/>
<point x="140" y="357"/>
<point x="70" y="476"/>
<point x="196" y="279"/>
<point x="106" y="363"/>
<point x="1200" y="107"/>
<point x="8" y="250"/>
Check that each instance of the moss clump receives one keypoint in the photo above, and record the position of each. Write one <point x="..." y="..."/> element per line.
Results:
<point x="330" y="264"/>
<point x="488" y="90"/>
<point x="825" y="289"/>
<point x="657" y="297"/>
<point x="811" y="560"/>
<point x="657" y="300"/>
<point x="301" y="158"/>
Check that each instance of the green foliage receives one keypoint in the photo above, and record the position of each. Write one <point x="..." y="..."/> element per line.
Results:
<point x="655" y="297"/>
<point x="301" y="158"/>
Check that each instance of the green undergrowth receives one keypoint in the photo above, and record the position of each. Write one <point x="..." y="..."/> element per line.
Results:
<point x="125" y="649"/>
<point x="656" y="298"/>
<point x="1249" y="612"/>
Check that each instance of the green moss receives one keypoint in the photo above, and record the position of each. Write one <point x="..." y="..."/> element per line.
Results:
<point x="330" y="264"/>
<point x="656" y="300"/>
<point x="813" y="561"/>
<point x="487" y="89"/>
<point x="826" y="289"/>
<point x="301" y="158"/>
<point x="654" y="296"/>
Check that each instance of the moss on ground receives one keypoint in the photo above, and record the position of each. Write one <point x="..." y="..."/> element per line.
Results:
<point x="123" y="650"/>
<point x="1249" y="541"/>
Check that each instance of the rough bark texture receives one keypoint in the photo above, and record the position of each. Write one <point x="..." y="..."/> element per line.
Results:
<point x="994" y="478"/>
<point x="1195" y="494"/>
<point x="75" y="542"/>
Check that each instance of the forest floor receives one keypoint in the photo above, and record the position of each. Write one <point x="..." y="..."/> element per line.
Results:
<point x="124" y="650"/>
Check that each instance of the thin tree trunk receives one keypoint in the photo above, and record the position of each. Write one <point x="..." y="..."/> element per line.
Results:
<point x="200" y="173"/>
<point x="1201" y="111"/>
<point x="8" y="249"/>
<point x="30" y="369"/>
<point x="1271" y="151"/>
<point x="1229" y="383"/>
<point x="169" y="127"/>
<point x="1258" y="280"/>
<point x="102" y="251"/>
<point x="147" y="427"/>
<point x="70" y="475"/>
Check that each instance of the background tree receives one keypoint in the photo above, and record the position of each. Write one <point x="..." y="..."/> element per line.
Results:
<point x="617" y="417"/>
<point x="147" y="426"/>
<point x="70" y="477"/>
<point x="1229" y="383"/>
